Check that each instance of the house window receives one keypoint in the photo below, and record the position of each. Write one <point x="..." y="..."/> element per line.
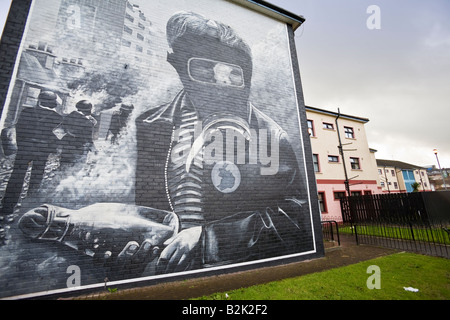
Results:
<point x="408" y="174"/>
<point x="382" y="184"/>
<point x="128" y="17"/>
<point x="32" y="96"/>
<point x="393" y="173"/>
<point x="349" y="133"/>
<point x="140" y="36"/>
<point x="127" y="29"/>
<point x="333" y="159"/>
<point x="316" y="162"/>
<point x="356" y="193"/>
<point x="311" y="128"/>
<point x="339" y="194"/>
<point x="380" y="171"/>
<point x="355" y="163"/>
<point x="328" y="126"/>
<point x="395" y="185"/>
<point x="322" y="202"/>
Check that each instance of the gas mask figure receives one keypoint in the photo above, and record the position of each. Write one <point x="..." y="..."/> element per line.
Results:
<point x="233" y="202"/>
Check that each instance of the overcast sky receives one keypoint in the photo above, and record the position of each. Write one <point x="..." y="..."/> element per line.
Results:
<point x="398" y="76"/>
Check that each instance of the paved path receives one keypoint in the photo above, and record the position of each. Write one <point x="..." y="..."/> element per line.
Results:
<point x="335" y="256"/>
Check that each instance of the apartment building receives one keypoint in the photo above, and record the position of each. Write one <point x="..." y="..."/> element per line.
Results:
<point x="400" y="177"/>
<point x="137" y="33"/>
<point x="439" y="178"/>
<point x="343" y="162"/>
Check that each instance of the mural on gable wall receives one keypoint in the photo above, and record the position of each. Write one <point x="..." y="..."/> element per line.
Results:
<point x="165" y="140"/>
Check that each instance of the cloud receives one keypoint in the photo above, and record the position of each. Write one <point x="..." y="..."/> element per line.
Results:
<point x="397" y="76"/>
<point x="438" y="37"/>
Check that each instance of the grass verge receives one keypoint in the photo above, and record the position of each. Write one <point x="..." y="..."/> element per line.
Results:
<point x="431" y="275"/>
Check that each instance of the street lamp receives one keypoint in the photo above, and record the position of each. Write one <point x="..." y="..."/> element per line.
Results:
<point x="440" y="169"/>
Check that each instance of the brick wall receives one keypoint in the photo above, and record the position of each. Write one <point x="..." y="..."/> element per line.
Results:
<point x="137" y="142"/>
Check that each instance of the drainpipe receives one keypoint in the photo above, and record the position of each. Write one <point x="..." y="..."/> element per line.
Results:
<point x="341" y="151"/>
<point x="387" y="182"/>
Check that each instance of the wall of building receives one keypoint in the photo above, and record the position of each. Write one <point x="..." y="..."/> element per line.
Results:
<point x="421" y="177"/>
<point x="331" y="175"/>
<point x="388" y="175"/>
<point x="190" y="161"/>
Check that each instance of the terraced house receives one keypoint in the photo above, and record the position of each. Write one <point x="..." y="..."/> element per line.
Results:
<point x="343" y="162"/>
<point x="400" y="177"/>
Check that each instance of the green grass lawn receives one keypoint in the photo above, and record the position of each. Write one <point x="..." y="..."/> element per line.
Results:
<point x="431" y="275"/>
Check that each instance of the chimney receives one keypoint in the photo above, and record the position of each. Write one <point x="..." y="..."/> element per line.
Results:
<point x="43" y="53"/>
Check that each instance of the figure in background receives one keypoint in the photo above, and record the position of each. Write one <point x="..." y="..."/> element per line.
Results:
<point x="35" y="141"/>
<point x="78" y="128"/>
<point x="119" y="121"/>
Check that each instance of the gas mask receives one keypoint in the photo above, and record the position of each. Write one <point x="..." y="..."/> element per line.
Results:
<point x="216" y="77"/>
<point x="221" y="74"/>
<point x="217" y="80"/>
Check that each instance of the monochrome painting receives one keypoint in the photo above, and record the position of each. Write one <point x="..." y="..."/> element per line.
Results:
<point x="148" y="139"/>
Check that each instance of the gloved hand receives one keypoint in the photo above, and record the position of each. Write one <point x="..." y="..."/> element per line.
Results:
<point x="180" y="252"/>
<point x="122" y="238"/>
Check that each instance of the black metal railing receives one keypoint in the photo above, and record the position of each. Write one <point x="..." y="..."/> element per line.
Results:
<point x="329" y="232"/>
<point x="414" y="221"/>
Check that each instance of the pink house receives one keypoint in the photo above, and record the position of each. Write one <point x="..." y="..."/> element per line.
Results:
<point x="343" y="162"/>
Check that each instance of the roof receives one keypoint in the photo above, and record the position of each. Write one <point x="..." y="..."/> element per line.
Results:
<point x="335" y="114"/>
<point x="273" y="11"/>
<point x="32" y="72"/>
<point x="396" y="164"/>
